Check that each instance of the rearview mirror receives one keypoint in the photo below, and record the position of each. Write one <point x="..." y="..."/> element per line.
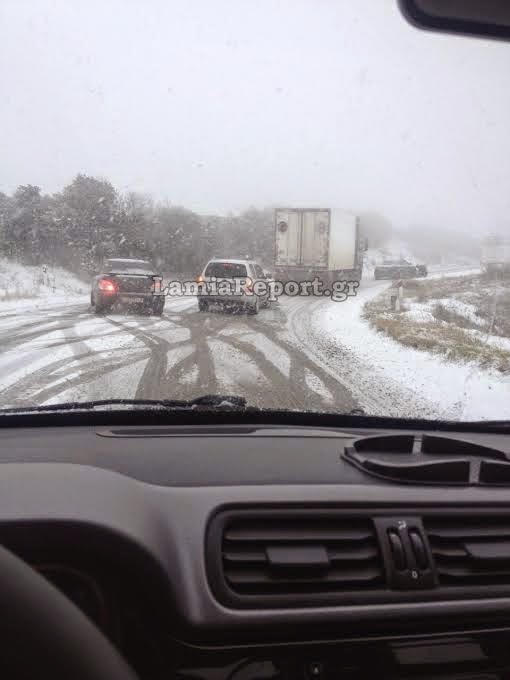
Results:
<point x="484" y="18"/>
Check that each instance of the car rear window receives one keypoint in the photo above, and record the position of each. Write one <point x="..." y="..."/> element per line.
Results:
<point x="121" y="266"/>
<point x="226" y="270"/>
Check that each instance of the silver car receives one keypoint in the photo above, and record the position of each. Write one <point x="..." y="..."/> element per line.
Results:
<point x="225" y="271"/>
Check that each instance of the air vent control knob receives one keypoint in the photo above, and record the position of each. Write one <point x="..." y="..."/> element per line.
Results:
<point x="406" y="553"/>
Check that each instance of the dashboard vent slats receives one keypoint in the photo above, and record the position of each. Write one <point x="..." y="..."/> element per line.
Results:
<point x="285" y="556"/>
<point x="301" y="532"/>
<point x="255" y="578"/>
<point x="470" y="551"/>
<point x="321" y="557"/>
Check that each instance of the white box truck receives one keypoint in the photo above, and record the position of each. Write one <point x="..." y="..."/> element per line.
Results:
<point x="320" y="242"/>
<point x="495" y="256"/>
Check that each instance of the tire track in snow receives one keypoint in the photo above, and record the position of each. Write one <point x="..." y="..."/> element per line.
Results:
<point x="166" y="373"/>
<point x="295" y="392"/>
<point x="47" y="382"/>
<point x="158" y="380"/>
<point x="376" y="394"/>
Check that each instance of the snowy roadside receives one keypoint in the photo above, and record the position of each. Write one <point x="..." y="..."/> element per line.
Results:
<point x="24" y="288"/>
<point x="441" y="272"/>
<point x="460" y="391"/>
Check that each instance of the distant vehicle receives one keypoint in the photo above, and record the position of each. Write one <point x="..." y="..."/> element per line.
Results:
<point x="127" y="282"/>
<point x="400" y="269"/>
<point x="219" y="270"/>
<point x="315" y="242"/>
<point x="495" y="255"/>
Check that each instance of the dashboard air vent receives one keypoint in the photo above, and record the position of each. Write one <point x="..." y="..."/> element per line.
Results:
<point x="283" y="555"/>
<point x="470" y="551"/>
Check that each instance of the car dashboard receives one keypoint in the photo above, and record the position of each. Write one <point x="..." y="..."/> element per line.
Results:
<point x="244" y="552"/>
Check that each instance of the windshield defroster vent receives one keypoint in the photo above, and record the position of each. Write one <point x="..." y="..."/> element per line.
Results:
<point x="295" y="556"/>
<point x="429" y="459"/>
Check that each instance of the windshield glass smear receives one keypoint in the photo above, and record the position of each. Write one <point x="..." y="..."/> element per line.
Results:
<point x="293" y="206"/>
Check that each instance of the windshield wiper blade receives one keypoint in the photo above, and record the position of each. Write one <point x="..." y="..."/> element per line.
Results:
<point x="205" y="402"/>
<point x="218" y="401"/>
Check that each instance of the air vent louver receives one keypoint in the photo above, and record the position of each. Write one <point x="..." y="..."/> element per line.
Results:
<point x="470" y="551"/>
<point x="314" y="554"/>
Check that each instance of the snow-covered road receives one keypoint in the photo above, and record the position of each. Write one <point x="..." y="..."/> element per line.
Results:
<point x="302" y="353"/>
<point x="64" y="353"/>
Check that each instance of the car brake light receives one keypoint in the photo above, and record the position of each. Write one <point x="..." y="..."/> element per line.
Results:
<point x="107" y="286"/>
<point x="249" y="284"/>
<point x="200" y="278"/>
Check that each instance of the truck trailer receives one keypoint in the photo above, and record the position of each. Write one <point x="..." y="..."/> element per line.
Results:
<point x="317" y="242"/>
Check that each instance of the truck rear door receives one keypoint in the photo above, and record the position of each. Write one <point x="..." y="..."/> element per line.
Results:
<point x="302" y="238"/>
<point x="314" y="238"/>
<point x="288" y="237"/>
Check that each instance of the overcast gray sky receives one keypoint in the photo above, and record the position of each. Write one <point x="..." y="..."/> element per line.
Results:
<point x="222" y="104"/>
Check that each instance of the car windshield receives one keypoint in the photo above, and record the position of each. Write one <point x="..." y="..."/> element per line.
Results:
<point x="153" y="152"/>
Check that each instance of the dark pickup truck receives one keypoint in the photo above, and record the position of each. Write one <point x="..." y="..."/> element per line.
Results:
<point x="399" y="269"/>
<point x="131" y="283"/>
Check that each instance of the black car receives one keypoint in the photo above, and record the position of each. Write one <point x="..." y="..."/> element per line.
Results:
<point x="133" y="283"/>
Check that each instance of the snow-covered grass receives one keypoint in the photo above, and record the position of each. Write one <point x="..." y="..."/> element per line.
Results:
<point x="462" y="314"/>
<point x="406" y="381"/>
<point x="23" y="286"/>
<point x="463" y="319"/>
<point x="475" y="302"/>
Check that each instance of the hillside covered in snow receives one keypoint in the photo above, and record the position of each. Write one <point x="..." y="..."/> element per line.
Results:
<point x="23" y="285"/>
